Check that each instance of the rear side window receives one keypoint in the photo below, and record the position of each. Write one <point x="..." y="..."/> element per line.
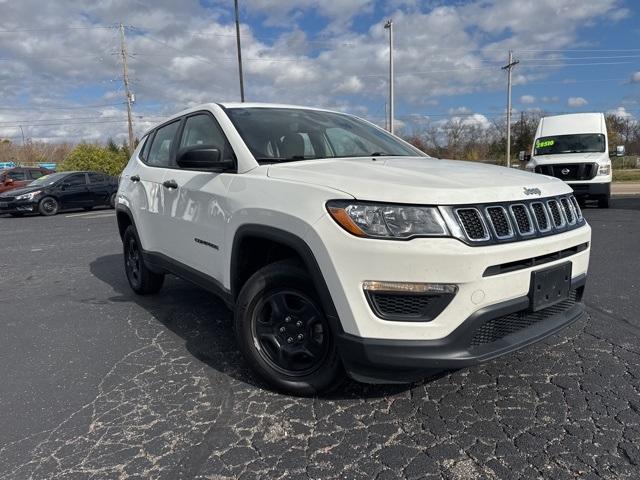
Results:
<point x="17" y="175"/>
<point x="36" y="174"/>
<point x="160" y="151"/>
<point x="96" y="178"/>
<point x="144" y="154"/>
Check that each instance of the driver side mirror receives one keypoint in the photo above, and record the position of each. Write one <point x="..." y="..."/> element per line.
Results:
<point x="524" y="156"/>
<point x="202" y="157"/>
<point x="8" y="181"/>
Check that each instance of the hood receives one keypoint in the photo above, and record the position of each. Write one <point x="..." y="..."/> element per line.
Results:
<point x="419" y="180"/>
<point x="20" y="191"/>
<point x="588" y="157"/>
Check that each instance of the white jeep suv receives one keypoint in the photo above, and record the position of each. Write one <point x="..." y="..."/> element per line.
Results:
<point x="343" y="249"/>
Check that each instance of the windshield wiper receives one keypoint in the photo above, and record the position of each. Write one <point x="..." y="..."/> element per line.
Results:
<point x="294" y="158"/>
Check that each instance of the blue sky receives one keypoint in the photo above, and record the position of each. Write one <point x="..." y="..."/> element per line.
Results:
<point x="61" y="75"/>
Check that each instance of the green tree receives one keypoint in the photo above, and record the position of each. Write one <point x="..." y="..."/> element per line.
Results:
<point x="95" y="158"/>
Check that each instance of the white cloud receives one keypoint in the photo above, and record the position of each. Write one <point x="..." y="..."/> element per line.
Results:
<point x="527" y="99"/>
<point x="184" y="53"/>
<point x="635" y="77"/>
<point x="620" y="112"/>
<point x="553" y="99"/>
<point x="576" y="102"/>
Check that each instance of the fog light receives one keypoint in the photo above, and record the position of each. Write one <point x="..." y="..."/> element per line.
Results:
<point x="409" y="287"/>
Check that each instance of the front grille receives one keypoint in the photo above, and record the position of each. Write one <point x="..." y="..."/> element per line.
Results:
<point x="541" y="216"/>
<point x="554" y="208"/>
<point x="569" y="171"/>
<point x="509" y="222"/>
<point x="401" y="305"/>
<point x="500" y="327"/>
<point x="576" y="207"/>
<point x="500" y="222"/>
<point x="472" y="223"/>
<point x="7" y="199"/>
<point x="568" y="210"/>
<point x="523" y="221"/>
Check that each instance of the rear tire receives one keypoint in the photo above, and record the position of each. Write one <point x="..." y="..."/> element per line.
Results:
<point x="48" y="206"/>
<point x="283" y="332"/>
<point x="141" y="280"/>
<point x="603" y="202"/>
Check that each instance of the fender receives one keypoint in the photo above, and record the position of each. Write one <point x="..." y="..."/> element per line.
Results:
<point x="298" y="245"/>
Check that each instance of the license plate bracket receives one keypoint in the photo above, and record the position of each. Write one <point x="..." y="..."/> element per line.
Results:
<point x="550" y="286"/>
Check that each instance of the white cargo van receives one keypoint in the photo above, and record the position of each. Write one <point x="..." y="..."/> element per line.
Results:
<point x="574" y="148"/>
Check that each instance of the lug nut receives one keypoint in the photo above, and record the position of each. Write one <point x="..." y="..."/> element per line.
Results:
<point x="289" y="339"/>
<point x="298" y="324"/>
<point x="300" y="336"/>
<point x="282" y="329"/>
<point x="287" y="319"/>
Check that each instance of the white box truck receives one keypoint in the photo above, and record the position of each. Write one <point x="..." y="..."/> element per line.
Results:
<point x="574" y="148"/>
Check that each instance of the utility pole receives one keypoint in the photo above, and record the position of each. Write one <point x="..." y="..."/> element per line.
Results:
<point x="125" y="80"/>
<point x="389" y="26"/>
<point x="386" y="116"/>
<point x="512" y="63"/>
<point x="239" y="51"/>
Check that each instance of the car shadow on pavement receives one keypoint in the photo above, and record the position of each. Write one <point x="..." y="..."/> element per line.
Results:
<point x="206" y="325"/>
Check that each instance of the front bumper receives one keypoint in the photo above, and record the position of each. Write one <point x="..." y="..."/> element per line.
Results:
<point x="590" y="189"/>
<point x="18" y="206"/>
<point x="401" y="361"/>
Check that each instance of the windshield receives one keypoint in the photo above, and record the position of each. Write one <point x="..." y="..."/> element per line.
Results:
<point x="579" y="143"/>
<point x="286" y="134"/>
<point x="47" y="180"/>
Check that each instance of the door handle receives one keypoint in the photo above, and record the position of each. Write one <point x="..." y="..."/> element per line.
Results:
<point x="135" y="178"/>
<point x="170" y="184"/>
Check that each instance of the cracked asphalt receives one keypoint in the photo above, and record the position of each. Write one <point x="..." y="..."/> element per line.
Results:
<point x="97" y="383"/>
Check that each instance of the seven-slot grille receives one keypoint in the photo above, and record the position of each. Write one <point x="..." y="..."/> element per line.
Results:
<point x="518" y="221"/>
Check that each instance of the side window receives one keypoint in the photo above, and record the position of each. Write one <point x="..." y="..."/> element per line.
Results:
<point x="17" y="175"/>
<point x="204" y="130"/>
<point x="144" y="153"/>
<point x="36" y="174"/>
<point x="96" y="178"/>
<point x="76" y="180"/>
<point x="160" y="151"/>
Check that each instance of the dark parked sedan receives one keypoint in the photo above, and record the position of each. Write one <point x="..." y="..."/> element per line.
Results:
<point x="49" y="194"/>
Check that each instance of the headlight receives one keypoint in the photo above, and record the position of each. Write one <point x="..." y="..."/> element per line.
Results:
<point x="604" y="169"/>
<point x="387" y="221"/>
<point x="530" y="167"/>
<point x="29" y="196"/>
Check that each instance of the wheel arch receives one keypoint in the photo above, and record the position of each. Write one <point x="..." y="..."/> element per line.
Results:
<point x="293" y="243"/>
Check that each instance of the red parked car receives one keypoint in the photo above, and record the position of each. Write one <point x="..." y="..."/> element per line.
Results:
<point x="20" y="176"/>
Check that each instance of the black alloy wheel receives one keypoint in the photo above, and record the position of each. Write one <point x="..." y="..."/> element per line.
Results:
<point x="142" y="280"/>
<point x="48" y="206"/>
<point x="284" y="333"/>
<point x="133" y="261"/>
<point x="291" y="332"/>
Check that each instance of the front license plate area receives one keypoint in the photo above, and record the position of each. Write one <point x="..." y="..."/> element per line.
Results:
<point x="4" y="204"/>
<point x="550" y="286"/>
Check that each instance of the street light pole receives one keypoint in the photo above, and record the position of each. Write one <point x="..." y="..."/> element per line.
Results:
<point x="239" y="51"/>
<point x="389" y="26"/>
<point x="512" y="63"/>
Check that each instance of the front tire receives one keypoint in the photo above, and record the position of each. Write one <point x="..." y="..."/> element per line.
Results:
<point x="283" y="332"/>
<point x="603" y="202"/>
<point x="112" y="200"/>
<point x="141" y="280"/>
<point x="48" y="206"/>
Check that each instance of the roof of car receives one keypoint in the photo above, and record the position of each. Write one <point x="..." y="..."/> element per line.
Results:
<point x="205" y="106"/>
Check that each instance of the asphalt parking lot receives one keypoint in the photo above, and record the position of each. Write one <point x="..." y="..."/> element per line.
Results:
<point x="98" y="383"/>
